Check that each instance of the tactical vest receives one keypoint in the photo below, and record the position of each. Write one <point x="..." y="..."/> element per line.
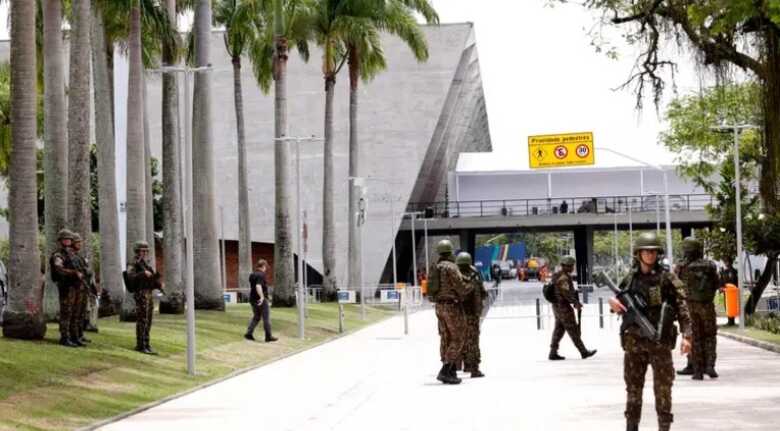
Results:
<point x="699" y="280"/>
<point x="653" y="289"/>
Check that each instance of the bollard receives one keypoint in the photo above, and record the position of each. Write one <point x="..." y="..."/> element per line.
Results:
<point x="601" y="313"/>
<point x="406" y="312"/>
<point x="538" y="314"/>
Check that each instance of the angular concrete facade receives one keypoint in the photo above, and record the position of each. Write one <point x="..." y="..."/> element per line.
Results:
<point x="415" y="119"/>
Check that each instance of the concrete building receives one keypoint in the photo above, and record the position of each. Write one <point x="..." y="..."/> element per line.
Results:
<point x="415" y="118"/>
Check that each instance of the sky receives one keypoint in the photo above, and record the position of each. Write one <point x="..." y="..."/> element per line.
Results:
<point x="542" y="76"/>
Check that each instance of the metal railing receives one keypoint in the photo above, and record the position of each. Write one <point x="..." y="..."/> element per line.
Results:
<point x="558" y="206"/>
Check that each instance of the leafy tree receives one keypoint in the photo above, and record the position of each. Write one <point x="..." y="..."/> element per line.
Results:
<point x="721" y="36"/>
<point x="706" y="156"/>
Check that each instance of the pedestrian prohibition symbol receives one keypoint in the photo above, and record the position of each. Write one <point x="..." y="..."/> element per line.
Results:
<point x="567" y="149"/>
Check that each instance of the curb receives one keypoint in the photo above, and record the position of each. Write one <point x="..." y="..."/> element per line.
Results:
<point x="236" y="373"/>
<point x="751" y="341"/>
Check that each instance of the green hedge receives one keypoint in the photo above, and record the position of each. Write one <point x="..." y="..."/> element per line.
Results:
<point x="769" y="322"/>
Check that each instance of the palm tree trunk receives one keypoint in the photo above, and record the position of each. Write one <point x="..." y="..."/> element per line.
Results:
<point x="79" y="129"/>
<point x="55" y="136"/>
<point x="136" y="189"/>
<point x="173" y="241"/>
<point x="208" y="288"/>
<point x="148" y="180"/>
<point x="110" y="255"/>
<point x="244" y="224"/>
<point x="283" y="274"/>
<point x="354" y="243"/>
<point x="328" y="222"/>
<point x="23" y="316"/>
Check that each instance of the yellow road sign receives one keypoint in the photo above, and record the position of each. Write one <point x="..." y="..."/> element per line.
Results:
<point x="568" y="149"/>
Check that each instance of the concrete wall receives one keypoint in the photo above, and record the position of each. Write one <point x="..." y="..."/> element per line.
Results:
<point x="400" y="125"/>
<point x="568" y="183"/>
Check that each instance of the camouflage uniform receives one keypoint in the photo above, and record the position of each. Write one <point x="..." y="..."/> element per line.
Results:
<point x="144" y="305"/>
<point x="449" y="310"/>
<point x="80" y="305"/>
<point x="473" y="305"/>
<point x="702" y="283"/>
<point x="655" y="288"/>
<point x="565" y="322"/>
<point x="66" y="276"/>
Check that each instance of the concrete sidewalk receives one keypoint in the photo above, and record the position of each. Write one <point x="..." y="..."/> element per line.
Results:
<point x="379" y="379"/>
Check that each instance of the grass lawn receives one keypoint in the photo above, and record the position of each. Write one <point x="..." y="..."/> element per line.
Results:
<point x="756" y="334"/>
<point x="44" y="386"/>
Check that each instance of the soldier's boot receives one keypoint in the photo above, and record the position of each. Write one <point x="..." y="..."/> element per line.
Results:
<point x="588" y="353"/>
<point x="453" y="373"/>
<point x="664" y="426"/>
<point x="554" y="356"/>
<point x="697" y="375"/>
<point x="445" y="376"/>
<point x="270" y="339"/>
<point x="688" y="370"/>
<point x="459" y="366"/>
<point x="77" y="342"/>
<point x="249" y="337"/>
<point x="90" y="328"/>
<point x="65" y="341"/>
<point x="632" y="427"/>
<point x="476" y="374"/>
<point x="710" y="371"/>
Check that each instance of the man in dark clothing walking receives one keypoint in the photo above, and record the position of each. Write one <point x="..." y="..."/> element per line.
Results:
<point x="258" y="299"/>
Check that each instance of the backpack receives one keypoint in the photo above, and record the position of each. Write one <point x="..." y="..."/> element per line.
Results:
<point x="131" y="287"/>
<point x="549" y="293"/>
<point x="55" y="275"/>
<point x="434" y="283"/>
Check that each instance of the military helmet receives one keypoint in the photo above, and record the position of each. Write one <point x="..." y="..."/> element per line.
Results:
<point x="444" y="247"/>
<point x="692" y="245"/>
<point x="648" y="241"/>
<point x="463" y="258"/>
<point x="140" y="245"/>
<point x="568" y="261"/>
<point x="64" y="234"/>
<point x="76" y="237"/>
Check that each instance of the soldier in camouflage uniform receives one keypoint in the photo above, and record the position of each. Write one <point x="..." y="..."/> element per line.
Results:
<point x="649" y="281"/>
<point x="144" y="279"/>
<point x="702" y="284"/>
<point x="565" y="322"/>
<point x="449" y="311"/>
<point x="68" y="279"/>
<point x="82" y="296"/>
<point x="473" y="305"/>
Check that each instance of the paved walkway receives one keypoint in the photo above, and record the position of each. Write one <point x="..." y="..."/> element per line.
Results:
<point x="379" y="379"/>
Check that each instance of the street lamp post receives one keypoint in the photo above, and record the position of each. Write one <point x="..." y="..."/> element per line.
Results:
<point x="189" y="277"/>
<point x="736" y="129"/>
<point x="301" y="300"/>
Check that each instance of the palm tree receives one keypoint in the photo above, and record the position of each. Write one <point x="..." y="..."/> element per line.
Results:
<point x="397" y="17"/>
<point x="208" y="289"/>
<point x="23" y="316"/>
<point x="79" y="128"/>
<point x="333" y="23"/>
<point x="110" y="255"/>
<point x="173" y="240"/>
<point x="291" y="26"/>
<point x="55" y="129"/>
<point x="243" y="31"/>
<point x="136" y="189"/>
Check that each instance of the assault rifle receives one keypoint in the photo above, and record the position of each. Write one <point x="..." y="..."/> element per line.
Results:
<point x="635" y="306"/>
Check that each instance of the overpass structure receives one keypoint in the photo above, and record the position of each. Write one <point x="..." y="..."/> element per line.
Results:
<point x="575" y="200"/>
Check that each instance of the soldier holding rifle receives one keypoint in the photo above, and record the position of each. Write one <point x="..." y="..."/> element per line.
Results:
<point x="650" y="299"/>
